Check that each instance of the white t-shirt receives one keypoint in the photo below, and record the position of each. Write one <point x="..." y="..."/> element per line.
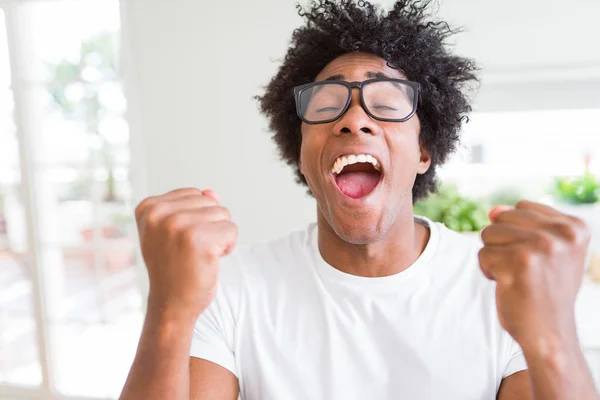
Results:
<point x="290" y="326"/>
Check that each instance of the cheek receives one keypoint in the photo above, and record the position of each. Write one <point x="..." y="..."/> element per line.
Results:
<point x="413" y="141"/>
<point x="405" y="154"/>
<point x="405" y="147"/>
<point x="308" y="154"/>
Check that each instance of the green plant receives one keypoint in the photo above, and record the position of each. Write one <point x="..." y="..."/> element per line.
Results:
<point x="508" y="196"/>
<point x="95" y="66"/>
<point x="453" y="210"/>
<point x="122" y="218"/>
<point x="583" y="189"/>
<point x="78" y="189"/>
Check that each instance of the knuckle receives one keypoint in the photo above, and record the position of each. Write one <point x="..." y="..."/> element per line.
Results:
<point x="527" y="268"/>
<point x="505" y="216"/>
<point x="208" y="201"/>
<point x="193" y="190"/>
<point x="212" y="256"/>
<point x="486" y="233"/>
<point x="525" y="257"/>
<point x="188" y="237"/>
<point x="154" y="213"/>
<point x="188" y="191"/>
<point x="482" y="253"/>
<point x="572" y="230"/>
<point x="209" y="251"/>
<point x="142" y="206"/>
<point x="230" y="227"/>
<point x="174" y="223"/>
<point x="529" y="272"/>
<point x="523" y="204"/>
<point x="582" y="231"/>
<point x="223" y="213"/>
<point x="482" y="256"/>
<point x="485" y="263"/>
<point x="234" y="230"/>
<point x="546" y="243"/>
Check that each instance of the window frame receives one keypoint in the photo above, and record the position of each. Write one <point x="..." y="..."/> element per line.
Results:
<point x="16" y="36"/>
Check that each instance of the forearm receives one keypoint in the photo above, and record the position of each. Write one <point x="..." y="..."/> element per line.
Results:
<point x="558" y="370"/>
<point x="160" y="369"/>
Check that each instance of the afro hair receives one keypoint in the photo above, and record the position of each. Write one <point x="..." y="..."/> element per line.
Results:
<point x="408" y="39"/>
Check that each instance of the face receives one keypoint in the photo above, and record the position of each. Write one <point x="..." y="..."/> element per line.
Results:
<point x="362" y="202"/>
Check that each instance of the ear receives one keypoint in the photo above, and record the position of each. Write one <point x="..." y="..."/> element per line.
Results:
<point x="424" y="161"/>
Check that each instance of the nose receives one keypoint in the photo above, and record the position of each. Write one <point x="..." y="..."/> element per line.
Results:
<point x="355" y="119"/>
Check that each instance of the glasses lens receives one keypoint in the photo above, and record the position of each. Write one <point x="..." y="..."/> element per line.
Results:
<point x="323" y="102"/>
<point x="389" y="99"/>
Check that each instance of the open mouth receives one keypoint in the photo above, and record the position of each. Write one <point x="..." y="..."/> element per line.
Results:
<point x="356" y="175"/>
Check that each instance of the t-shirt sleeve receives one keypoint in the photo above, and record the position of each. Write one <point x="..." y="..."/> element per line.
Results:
<point x="516" y="360"/>
<point x="214" y="332"/>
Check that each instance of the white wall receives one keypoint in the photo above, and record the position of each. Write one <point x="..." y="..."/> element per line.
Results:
<point x="535" y="54"/>
<point x="197" y="73"/>
<point x="192" y="68"/>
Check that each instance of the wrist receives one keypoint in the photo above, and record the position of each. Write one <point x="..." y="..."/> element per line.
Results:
<point x="555" y="351"/>
<point x="169" y="313"/>
<point x="550" y="339"/>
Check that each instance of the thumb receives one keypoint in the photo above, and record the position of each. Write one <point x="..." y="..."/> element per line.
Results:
<point x="212" y="194"/>
<point x="497" y="210"/>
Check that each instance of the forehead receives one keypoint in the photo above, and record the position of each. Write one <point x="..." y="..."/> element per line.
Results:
<point x="355" y="66"/>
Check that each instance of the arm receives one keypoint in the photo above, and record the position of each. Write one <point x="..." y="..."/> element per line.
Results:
<point x="558" y="370"/>
<point x="163" y="369"/>
<point x="537" y="255"/>
<point x="211" y="381"/>
<point x="557" y="373"/>
<point x="516" y="387"/>
<point x="183" y="235"/>
<point x="160" y="367"/>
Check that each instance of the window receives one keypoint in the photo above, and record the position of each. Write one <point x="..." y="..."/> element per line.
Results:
<point x="66" y="218"/>
<point x="20" y="362"/>
<point x="525" y="150"/>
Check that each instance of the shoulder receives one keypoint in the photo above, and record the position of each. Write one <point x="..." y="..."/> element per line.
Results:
<point x="456" y="243"/>
<point x="278" y="250"/>
<point x="457" y="252"/>
<point x="265" y="262"/>
<point x="455" y="264"/>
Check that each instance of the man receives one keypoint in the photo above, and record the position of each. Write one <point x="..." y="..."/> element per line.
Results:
<point x="370" y="302"/>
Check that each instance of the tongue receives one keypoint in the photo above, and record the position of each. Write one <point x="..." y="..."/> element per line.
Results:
<point x="357" y="184"/>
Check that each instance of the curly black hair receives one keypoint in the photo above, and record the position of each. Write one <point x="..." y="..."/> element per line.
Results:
<point x="407" y="39"/>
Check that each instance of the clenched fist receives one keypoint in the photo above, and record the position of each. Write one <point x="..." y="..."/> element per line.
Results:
<point x="183" y="234"/>
<point x="536" y="255"/>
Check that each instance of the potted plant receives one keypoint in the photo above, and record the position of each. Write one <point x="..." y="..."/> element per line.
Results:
<point x="580" y="196"/>
<point x="457" y="212"/>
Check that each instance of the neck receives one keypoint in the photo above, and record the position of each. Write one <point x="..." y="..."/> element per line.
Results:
<point x="394" y="253"/>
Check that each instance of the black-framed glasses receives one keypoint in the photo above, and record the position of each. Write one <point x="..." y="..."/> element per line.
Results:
<point x="392" y="100"/>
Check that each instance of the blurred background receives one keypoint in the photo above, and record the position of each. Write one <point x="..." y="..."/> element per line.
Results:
<point x="103" y="103"/>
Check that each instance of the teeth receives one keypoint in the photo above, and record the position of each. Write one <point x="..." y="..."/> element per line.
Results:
<point x="341" y="162"/>
<point x="337" y="166"/>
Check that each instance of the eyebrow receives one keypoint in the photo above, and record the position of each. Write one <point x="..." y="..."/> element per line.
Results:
<point x="379" y="75"/>
<point x="368" y="74"/>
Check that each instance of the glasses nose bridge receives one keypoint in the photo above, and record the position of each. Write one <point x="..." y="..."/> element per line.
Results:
<point x="354" y="119"/>
<point x="359" y="87"/>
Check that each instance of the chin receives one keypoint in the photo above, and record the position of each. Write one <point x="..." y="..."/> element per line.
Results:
<point x="358" y="229"/>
